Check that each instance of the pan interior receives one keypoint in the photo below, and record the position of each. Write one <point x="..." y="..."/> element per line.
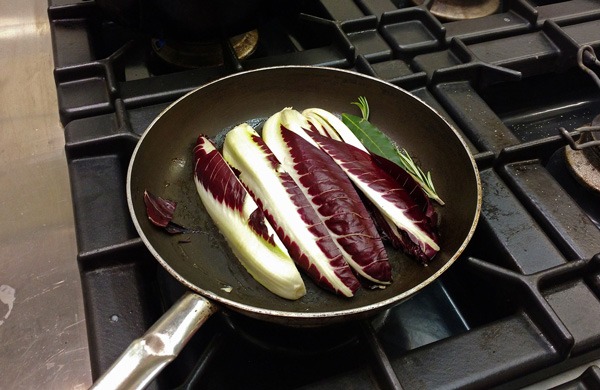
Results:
<point x="163" y="163"/>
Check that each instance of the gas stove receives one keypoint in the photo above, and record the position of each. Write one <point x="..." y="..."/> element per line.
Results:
<point x="523" y="301"/>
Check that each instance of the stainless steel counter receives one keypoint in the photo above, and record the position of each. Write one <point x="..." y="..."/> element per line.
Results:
<point x="42" y="326"/>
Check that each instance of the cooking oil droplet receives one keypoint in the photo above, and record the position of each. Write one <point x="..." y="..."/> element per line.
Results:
<point x="178" y="161"/>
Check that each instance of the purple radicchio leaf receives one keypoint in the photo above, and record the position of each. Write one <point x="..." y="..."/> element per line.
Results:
<point x="160" y="212"/>
<point x="243" y="224"/>
<point x="331" y="194"/>
<point x="392" y="200"/>
<point x="288" y="211"/>
<point x="413" y="188"/>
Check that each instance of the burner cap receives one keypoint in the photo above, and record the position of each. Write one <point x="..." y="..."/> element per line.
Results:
<point x="585" y="164"/>
<point x="200" y="54"/>
<point x="461" y="9"/>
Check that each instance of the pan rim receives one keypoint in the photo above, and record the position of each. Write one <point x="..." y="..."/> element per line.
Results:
<point x="219" y="299"/>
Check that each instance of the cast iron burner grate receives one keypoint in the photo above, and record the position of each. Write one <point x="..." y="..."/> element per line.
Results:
<point x="523" y="301"/>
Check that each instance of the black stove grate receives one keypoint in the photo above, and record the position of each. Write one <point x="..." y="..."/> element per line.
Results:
<point x="522" y="303"/>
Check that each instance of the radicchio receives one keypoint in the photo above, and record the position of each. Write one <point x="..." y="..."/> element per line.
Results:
<point x="159" y="210"/>
<point x="243" y="224"/>
<point x="288" y="210"/>
<point x="331" y="194"/>
<point x="413" y="188"/>
<point x="392" y="200"/>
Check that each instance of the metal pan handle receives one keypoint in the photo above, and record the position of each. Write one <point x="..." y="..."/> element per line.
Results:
<point x="147" y="356"/>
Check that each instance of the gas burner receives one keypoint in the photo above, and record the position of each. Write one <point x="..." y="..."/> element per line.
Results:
<point x="293" y="341"/>
<point x="460" y="9"/>
<point x="201" y="54"/>
<point x="584" y="164"/>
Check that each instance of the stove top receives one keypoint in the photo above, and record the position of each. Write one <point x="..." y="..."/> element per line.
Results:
<point x="521" y="304"/>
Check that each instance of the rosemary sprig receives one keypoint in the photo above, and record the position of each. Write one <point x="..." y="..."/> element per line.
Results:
<point x="424" y="179"/>
<point x="363" y="105"/>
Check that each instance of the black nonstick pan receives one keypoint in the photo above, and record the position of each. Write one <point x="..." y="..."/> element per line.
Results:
<point x="162" y="163"/>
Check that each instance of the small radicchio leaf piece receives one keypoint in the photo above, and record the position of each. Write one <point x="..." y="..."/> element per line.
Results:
<point x="160" y="211"/>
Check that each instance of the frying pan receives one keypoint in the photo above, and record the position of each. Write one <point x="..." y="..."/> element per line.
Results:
<point x="162" y="163"/>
